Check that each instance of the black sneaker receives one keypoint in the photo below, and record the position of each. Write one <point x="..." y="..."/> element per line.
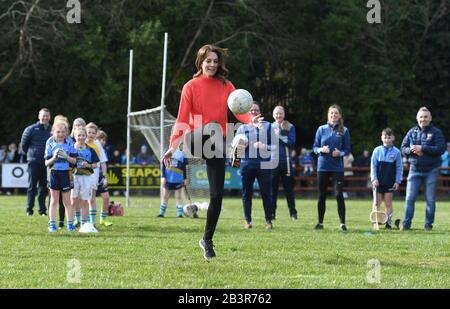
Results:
<point x="344" y="228"/>
<point x="388" y="226"/>
<point x="61" y="224"/>
<point x="397" y="223"/>
<point x="160" y="216"/>
<point x="294" y="217"/>
<point x="29" y="213"/>
<point x="428" y="228"/>
<point x="406" y="228"/>
<point x="207" y="246"/>
<point x="319" y="226"/>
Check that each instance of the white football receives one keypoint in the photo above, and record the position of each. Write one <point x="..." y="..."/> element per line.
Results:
<point x="190" y="209"/>
<point x="240" y="101"/>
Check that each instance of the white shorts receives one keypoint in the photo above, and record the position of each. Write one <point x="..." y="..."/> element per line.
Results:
<point x="82" y="187"/>
<point x="94" y="179"/>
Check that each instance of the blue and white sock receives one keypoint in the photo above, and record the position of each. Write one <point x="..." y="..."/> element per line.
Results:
<point x="92" y="216"/>
<point x="179" y="210"/>
<point x="162" y="209"/>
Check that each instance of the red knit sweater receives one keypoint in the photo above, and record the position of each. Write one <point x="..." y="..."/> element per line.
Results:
<point x="206" y="97"/>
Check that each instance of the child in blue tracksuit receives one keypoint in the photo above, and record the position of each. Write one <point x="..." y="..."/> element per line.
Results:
<point x="386" y="172"/>
<point x="173" y="178"/>
<point x="58" y="154"/>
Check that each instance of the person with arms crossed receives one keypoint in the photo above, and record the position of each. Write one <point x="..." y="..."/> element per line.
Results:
<point x="33" y="143"/>
<point x="285" y="132"/>
<point x="423" y="145"/>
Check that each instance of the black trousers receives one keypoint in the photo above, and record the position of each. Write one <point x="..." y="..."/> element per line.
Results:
<point x="288" y="184"/>
<point x="249" y="172"/>
<point x="324" y="179"/>
<point x="37" y="183"/>
<point x="196" y="142"/>
<point x="215" y="168"/>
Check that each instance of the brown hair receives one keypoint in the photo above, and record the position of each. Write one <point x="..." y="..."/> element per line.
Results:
<point x="341" y="120"/>
<point x="221" y="53"/>
<point x="102" y="135"/>
<point x="388" y="131"/>
<point x="92" y="125"/>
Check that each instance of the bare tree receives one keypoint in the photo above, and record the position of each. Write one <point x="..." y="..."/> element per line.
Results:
<point x="22" y="27"/>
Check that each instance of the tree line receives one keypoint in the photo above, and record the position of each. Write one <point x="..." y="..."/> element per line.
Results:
<point x="304" y="55"/>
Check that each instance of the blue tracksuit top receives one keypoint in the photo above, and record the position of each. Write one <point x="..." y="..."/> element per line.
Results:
<point x="254" y="135"/>
<point x="433" y="146"/>
<point x="176" y="172"/>
<point x="386" y="166"/>
<point x="327" y="135"/>
<point x="52" y="146"/>
<point x="286" y="139"/>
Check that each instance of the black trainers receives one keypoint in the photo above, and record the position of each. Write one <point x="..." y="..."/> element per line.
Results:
<point x="397" y="223"/>
<point x="388" y="226"/>
<point x="319" y="226"/>
<point x="294" y="217"/>
<point x="406" y="228"/>
<point x="207" y="246"/>
<point x="428" y="228"/>
<point x="344" y="228"/>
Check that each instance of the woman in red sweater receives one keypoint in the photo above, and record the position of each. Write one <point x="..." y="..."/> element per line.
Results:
<point x="203" y="110"/>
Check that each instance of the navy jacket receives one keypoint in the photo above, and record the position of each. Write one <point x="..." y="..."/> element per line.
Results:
<point x="253" y="135"/>
<point x="327" y="135"/>
<point x="433" y="146"/>
<point x="34" y="139"/>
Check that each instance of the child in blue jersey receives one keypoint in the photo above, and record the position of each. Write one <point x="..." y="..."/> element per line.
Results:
<point x="173" y="178"/>
<point x="92" y="129"/>
<point x="86" y="162"/>
<point x="102" y="186"/>
<point x="58" y="154"/>
<point x="386" y="172"/>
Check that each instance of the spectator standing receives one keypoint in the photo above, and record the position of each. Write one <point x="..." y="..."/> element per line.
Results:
<point x="33" y="143"/>
<point x="423" y="145"/>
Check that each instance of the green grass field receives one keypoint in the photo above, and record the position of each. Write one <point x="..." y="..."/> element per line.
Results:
<point x="142" y="251"/>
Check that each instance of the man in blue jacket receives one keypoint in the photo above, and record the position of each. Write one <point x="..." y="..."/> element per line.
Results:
<point x="423" y="145"/>
<point x="285" y="132"/>
<point x="33" y="142"/>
